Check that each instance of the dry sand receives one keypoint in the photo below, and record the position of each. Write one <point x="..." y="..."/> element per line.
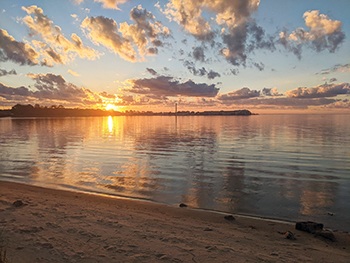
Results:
<point x="63" y="226"/>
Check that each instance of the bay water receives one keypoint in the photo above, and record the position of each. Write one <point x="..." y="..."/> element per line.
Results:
<point x="289" y="167"/>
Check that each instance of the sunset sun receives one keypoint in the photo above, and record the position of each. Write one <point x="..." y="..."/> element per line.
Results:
<point x="110" y="106"/>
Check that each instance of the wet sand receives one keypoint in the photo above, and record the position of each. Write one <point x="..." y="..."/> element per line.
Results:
<point x="62" y="226"/>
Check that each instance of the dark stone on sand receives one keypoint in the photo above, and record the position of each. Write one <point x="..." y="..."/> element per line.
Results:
<point x="316" y="229"/>
<point x="229" y="217"/>
<point x="325" y="234"/>
<point x="17" y="203"/>
<point x="208" y="229"/>
<point x="182" y="205"/>
<point x="308" y="226"/>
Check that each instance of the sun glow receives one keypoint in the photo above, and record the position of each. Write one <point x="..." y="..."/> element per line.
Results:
<point x="110" y="106"/>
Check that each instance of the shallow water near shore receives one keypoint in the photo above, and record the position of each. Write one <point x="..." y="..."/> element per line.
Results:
<point x="292" y="167"/>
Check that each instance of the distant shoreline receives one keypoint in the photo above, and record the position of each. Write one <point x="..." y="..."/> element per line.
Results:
<point x="54" y="111"/>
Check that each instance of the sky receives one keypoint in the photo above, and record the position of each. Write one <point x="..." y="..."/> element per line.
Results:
<point x="267" y="56"/>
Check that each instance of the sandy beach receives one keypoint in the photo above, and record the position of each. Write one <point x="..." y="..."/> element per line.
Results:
<point x="62" y="226"/>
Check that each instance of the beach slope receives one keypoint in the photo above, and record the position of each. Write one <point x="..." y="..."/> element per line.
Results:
<point x="48" y="225"/>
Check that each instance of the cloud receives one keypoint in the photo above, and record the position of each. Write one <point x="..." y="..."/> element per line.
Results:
<point x="4" y="72"/>
<point x="111" y="4"/>
<point x="336" y="68"/>
<point x="168" y="86"/>
<point x="72" y="72"/>
<point x="345" y="104"/>
<point x="212" y="74"/>
<point x="18" y="52"/>
<point x="239" y="32"/>
<point x="188" y="14"/>
<point x="323" y="33"/>
<point x="198" y="54"/>
<point x="78" y="2"/>
<point x="103" y="30"/>
<point x="243" y="93"/>
<point x="57" y="47"/>
<point x="270" y="92"/>
<point x="143" y="35"/>
<point x="244" y="39"/>
<point x="321" y="91"/>
<point x="151" y="71"/>
<point x="54" y="89"/>
<point x="6" y="91"/>
<point x="200" y="71"/>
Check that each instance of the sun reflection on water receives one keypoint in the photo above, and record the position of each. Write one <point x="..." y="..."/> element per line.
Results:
<point x="110" y="124"/>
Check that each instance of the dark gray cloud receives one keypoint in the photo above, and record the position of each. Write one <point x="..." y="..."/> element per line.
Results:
<point x="152" y="51"/>
<point x="270" y="92"/>
<point x="243" y="40"/>
<point x="198" y="54"/>
<point x="4" y="72"/>
<point x="235" y="41"/>
<point x="289" y="46"/>
<point x="333" y="80"/>
<point x="212" y="74"/>
<point x="321" y="91"/>
<point x="168" y="86"/>
<point x="56" y="57"/>
<point x="260" y="66"/>
<point x="18" y="52"/>
<point x="200" y="71"/>
<point x="7" y="92"/>
<point x="151" y="71"/>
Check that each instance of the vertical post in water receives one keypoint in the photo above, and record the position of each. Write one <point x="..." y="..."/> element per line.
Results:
<point x="175" y="109"/>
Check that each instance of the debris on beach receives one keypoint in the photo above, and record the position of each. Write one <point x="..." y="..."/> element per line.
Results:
<point x="182" y="205"/>
<point x="315" y="228"/>
<point x="229" y="217"/>
<point x="308" y="226"/>
<point x="289" y="235"/>
<point x="17" y="203"/>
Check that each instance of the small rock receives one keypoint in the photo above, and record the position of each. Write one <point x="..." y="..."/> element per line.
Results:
<point x="308" y="226"/>
<point x="17" y="203"/>
<point x="330" y="214"/>
<point x="289" y="235"/>
<point x="208" y="229"/>
<point x="325" y="234"/>
<point x="229" y="217"/>
<point x="182" y="205"/>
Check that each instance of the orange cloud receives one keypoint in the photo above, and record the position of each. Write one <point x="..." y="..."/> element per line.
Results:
<point x="321" y="91"/>
<point x="188" y="13"/>
<point x="58" y="49"/>
<point x="323" y="33"/>
<point x="72" y="72"/>
<point x="111" y="4"/>
<point x="142" y="36"/>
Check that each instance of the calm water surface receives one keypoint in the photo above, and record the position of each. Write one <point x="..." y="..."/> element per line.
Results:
<point x="294" y="167"/>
